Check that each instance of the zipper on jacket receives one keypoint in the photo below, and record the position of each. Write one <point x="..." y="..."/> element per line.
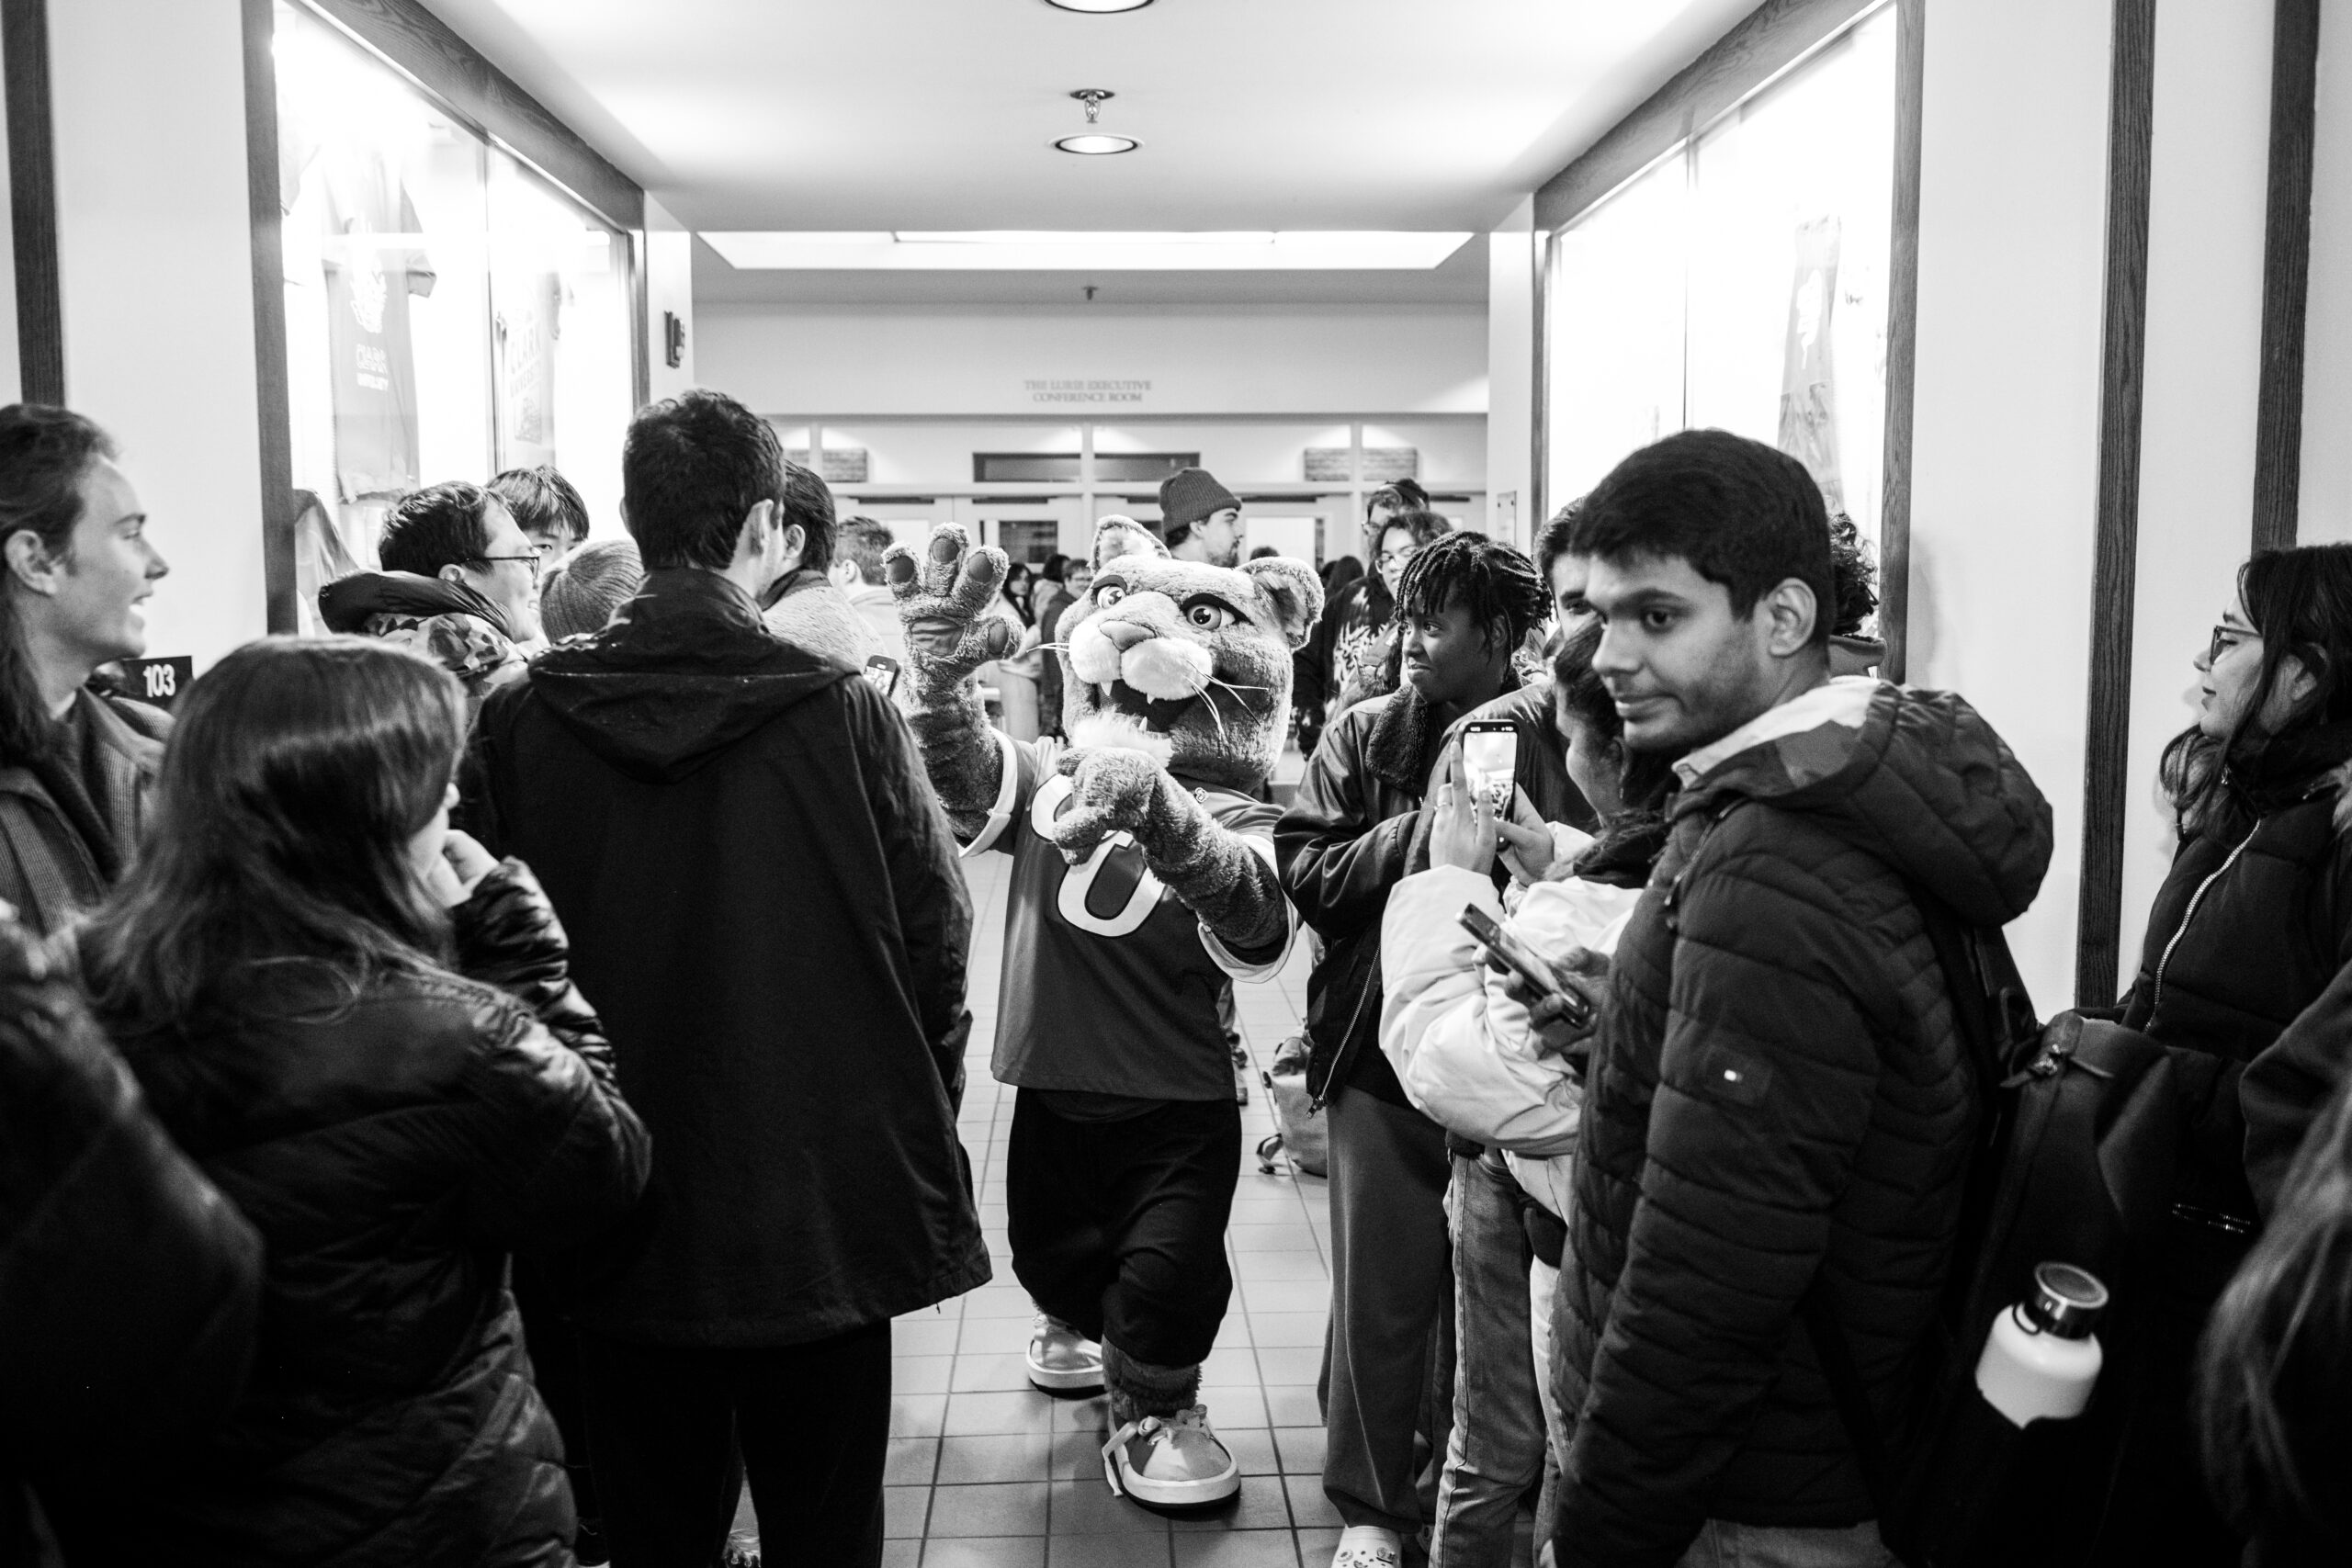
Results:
<point x="2156" y="995"/>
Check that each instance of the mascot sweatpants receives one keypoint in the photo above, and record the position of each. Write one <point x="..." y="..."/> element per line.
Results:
<point x="1118" y="1227"/>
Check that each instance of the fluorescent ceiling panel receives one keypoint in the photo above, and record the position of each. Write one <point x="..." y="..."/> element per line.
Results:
<point x="1079" y="251"/>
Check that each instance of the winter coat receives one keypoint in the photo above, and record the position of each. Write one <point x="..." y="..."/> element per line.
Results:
<point x="1778" y="1092"/>
<point x="129" y="1287"/>
<point x="449" y="623"/>
<point x="764" y="899"/>
<point x="811" y="612"/>
<point x="393" y="1142"/>
<point x="2249" y="931"/>
<point x="1341" y="844"/>
<point x="60" y="855"/>
<point x="1461" y="1045"/>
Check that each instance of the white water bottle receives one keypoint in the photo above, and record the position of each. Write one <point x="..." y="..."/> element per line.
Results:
<point x="2042" y="1359"/>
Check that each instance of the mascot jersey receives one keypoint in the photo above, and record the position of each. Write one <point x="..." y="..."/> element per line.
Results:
<point x="1110" y="985"/>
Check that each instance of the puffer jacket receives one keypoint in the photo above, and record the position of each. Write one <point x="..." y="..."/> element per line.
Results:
<point x="393" y="1146"/>
<point x="2249" y="929"/>
<point x="129" y="1287"/>
<point x="1460" y="1046"/>
<point x="1777" y="1093"/>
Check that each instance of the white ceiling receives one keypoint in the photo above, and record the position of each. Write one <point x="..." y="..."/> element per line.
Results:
<point x="937" y="115"/>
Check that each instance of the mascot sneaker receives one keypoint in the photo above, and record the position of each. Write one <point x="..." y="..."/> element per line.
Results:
<point x="1369" y="1546"/>
<point x="1175" y="1461"/>
<point x="1061" y="1360"/>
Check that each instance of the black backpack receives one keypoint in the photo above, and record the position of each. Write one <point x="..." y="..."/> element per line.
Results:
<point x="2074" y="1162"/>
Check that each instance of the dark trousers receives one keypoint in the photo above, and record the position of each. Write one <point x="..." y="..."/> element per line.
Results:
<point x="1118" y="1227"/>
<point x="554" y="1347"/>
<point x="675" y="1429"/>
<point x="1387" y="1351"/>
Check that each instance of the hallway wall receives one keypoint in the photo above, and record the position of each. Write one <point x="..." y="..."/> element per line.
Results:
<point x="1190" y="360"/>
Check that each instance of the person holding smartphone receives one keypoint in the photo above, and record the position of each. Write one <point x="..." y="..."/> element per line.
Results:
<point x="1489" y="1003"/>
<point x="1465" y="605"/>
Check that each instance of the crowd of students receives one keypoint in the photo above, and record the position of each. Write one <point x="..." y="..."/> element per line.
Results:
<point x="477" y="1088"/>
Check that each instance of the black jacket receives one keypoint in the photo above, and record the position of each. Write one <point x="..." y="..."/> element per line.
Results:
<point x="68" y="827"/>
<point x="392" y="1147"/>
<point x="2247" y="933"/>
<point x="765" y="903"/>
<point x="1778" y="1092"/>
<point x="1346" y="839"/>
<point x="129" y="1287"/>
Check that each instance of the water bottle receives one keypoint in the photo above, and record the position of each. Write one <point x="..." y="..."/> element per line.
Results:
<point x="2042" y="1359"/>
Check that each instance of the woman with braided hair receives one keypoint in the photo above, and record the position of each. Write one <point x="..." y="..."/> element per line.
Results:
<point x="1465" y="605"/>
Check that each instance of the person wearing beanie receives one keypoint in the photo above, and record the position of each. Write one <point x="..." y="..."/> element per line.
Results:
<point x="598" y="580"/>
<point x="1200" y="519"/>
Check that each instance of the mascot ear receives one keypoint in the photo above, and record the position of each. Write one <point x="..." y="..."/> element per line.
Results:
<point x="1293" y="590"/>
<point x="1116" y="535"/>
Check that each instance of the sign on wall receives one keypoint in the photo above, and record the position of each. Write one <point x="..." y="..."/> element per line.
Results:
<point x="835" y="465"/>
<point x="1381" y="465"/>
<point x="1048" y="390"/>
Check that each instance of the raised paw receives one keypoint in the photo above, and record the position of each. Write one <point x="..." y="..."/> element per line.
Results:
<point x="944" y="596"/>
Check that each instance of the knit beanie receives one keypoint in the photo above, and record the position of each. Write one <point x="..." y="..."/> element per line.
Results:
<point x="1190" y="494"/>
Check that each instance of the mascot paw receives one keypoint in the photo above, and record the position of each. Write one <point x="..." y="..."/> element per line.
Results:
<point x="1111" y="791"/>
<point x="946" y="598"/>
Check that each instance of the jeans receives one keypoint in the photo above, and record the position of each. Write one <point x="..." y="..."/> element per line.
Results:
<point x="1723" y="1545"/>
<point x="676" y="1428"/>
<point x="1497" y="1452"/>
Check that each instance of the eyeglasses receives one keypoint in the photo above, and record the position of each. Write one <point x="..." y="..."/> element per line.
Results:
<point x="2225" y="639"/>
<point x="1387" y="559"/>
<point x="539" y="562"/>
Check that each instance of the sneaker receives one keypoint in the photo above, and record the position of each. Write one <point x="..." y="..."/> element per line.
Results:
<point x="1061" y="1360"/>
<point x="1369" y="1546"/>
<point x="1174" y="1461"/>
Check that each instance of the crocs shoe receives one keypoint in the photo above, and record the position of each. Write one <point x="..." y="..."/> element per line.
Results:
<point x="1369" y="1546"/>
<point x="1173" y="1460"/>
<point x="1061" y="1360"/>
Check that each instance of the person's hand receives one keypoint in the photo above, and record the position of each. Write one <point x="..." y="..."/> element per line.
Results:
<point x="1526" y="841"/>
<point x="1463" y="830"/>
<point x="1583" y="974"/>
<point x="462" y="864"/>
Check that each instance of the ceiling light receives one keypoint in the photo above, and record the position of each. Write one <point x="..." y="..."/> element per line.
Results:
<point x="993" y="250"/>
<point x="1095" y="143"/>
<point x="1098" y="7"/>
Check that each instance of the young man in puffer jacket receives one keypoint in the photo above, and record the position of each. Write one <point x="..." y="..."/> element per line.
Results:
<point x="1778" y="1103"/>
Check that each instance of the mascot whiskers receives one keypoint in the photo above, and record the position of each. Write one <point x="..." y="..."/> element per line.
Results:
<point x="1143" y="885"/>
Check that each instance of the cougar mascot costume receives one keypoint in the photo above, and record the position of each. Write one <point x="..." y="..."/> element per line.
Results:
<point x="1143" y="885"/>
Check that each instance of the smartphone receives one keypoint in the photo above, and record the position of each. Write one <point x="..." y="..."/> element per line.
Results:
<point x="1523" y="962"/>
<point x="883" y="671"/>
<point x="1489" y="758"/>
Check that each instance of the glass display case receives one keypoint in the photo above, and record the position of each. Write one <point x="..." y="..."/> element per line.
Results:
<point x="1740" y="282"/>
<point x="448" y="312"/>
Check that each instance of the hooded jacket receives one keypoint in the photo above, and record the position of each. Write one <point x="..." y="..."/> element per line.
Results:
<point x="68" y="827"/>
<point x="1778" y="1092"/>
<point x="452" y="625"/>
<point x="764" y="904"/>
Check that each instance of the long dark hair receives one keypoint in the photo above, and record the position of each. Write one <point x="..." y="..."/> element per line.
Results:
<point x="2300" y="602"/>
<point x="292" y="785"/>
<point x="44" y="453"/>
<point x="2276" y="1366"/>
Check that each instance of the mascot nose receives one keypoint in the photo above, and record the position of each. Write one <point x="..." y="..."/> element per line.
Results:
<point x="1125" y="635"/>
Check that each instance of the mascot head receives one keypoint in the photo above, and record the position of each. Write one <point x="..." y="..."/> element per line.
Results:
<point x="1188" y="663"/>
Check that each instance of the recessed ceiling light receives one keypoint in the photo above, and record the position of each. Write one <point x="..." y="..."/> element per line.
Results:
<point x="1088" y="250"/>
<point x="1098" y="7"/>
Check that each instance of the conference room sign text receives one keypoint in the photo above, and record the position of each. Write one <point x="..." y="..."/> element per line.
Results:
<point x="1052" y="392"/>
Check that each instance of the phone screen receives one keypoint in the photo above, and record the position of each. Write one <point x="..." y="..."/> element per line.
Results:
<point x="1489" y="756"/>
<point x="883" y="671"/>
